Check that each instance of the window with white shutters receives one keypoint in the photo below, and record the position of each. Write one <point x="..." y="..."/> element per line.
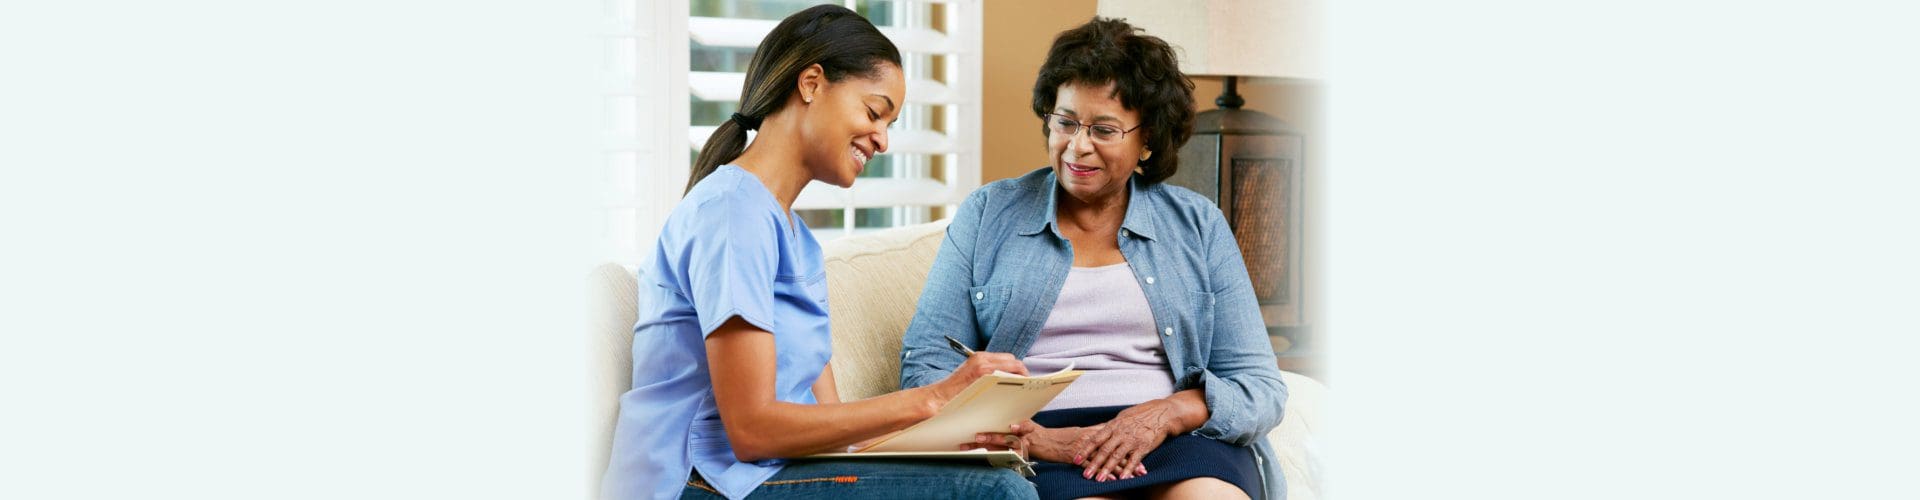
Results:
<point x="677" y="71"/>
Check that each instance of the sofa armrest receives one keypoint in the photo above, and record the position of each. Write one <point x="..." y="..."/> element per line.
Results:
<point x="1293" y="442"/>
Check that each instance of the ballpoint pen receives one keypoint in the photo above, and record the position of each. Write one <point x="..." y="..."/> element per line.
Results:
<point x="958" y="347"/>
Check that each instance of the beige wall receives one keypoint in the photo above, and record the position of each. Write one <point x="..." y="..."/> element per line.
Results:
<point x="1016" y="36"/>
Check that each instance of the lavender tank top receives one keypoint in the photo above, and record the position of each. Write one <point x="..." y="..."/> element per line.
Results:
<point x="1102" y="324"/>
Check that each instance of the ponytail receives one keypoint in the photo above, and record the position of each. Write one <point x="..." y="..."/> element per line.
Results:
<point x="839" y="40"/>
<point x="726" y="143"/>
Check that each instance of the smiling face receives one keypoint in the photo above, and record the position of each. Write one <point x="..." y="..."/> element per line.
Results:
<point x="846" y="124"/>
<point x="1094" y="172"/>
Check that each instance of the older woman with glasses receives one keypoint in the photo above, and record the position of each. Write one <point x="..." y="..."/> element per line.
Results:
<point x="1093" y="262"/>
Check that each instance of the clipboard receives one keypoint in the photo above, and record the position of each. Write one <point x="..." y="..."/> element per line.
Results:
<point x="991" y="404"/>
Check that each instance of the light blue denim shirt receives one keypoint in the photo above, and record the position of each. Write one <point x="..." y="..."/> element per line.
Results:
<point x="1003" y="262"/>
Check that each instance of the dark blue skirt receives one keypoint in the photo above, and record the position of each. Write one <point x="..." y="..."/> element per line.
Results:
<point x="1182" y="457"/>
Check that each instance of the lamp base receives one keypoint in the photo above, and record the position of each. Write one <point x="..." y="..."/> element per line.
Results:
<point x="1230" y="94"/>
<point x="1252" y="165"/>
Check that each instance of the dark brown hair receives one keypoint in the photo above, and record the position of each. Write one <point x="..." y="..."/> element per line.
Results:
<point x="1146" y="78"/>
<point x="839" y="40"/>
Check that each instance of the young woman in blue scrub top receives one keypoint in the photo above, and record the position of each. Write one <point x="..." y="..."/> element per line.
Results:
<point x="730" y="372"/>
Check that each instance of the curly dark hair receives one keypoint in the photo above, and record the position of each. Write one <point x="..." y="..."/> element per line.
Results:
<point x="1146" y="77"/>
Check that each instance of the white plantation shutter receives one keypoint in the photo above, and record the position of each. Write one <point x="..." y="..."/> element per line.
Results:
<point x="646" y="165"/>
<point x="933" y="158"/>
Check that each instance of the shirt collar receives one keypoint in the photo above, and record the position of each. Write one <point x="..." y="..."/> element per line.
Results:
<point x="1140" y="210"/>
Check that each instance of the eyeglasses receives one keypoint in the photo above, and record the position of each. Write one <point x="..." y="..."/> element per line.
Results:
<point x="1100" y="132"/>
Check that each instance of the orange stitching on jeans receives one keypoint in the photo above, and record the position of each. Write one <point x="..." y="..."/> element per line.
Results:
<point x="837" y="479"/>
<point x="702" y="485"/>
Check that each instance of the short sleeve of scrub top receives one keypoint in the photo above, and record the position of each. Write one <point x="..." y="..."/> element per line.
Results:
<point x="732" y="268"/>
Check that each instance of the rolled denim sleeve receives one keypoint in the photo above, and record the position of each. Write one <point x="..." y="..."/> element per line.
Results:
<point x="1244" y="393"/>
<point x="944" y="309"/>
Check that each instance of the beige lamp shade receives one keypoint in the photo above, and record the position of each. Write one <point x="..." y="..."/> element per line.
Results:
<point x="1257" y="38"/>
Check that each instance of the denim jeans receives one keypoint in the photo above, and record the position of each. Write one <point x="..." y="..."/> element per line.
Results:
<point x="881" y="479"/>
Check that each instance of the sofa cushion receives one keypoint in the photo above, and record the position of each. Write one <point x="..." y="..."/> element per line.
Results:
<point x="873" y="287"/>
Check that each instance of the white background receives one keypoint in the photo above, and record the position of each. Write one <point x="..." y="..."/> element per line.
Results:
<point x="324" y="250"/>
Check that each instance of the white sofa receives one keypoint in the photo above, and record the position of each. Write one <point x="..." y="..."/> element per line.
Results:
<point x="873" y="282"/>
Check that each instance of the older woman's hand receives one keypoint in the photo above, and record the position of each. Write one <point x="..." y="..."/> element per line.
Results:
<point x="1115" y="451"/>
<point x="1017" y="439"/>
<point x="1036" y="441"/>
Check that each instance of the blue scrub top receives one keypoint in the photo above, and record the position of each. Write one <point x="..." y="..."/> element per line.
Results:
<point x="727" y="250"/>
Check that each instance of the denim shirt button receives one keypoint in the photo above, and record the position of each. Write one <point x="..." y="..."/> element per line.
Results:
<point x="979" y="295"/>
<point x="1168" y="331"/>
<point x="1149" y="280"/>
